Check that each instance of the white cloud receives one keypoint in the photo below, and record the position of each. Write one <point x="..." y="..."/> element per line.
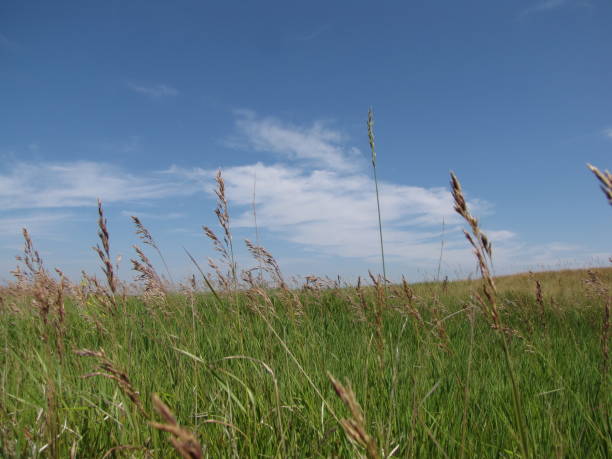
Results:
<point x="335" y="213"/>
<point x="316" y="146"/>
<point x="48" y="185"/>
<point x="500" y="236"/>
<point x="608" y="132"/>
<point x="155" y="91"/>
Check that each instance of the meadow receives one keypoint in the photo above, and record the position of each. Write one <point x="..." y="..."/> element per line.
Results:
<point x="244" y="364"/>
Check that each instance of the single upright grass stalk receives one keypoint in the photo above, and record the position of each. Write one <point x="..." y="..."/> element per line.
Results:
<point x="484" y="253"/>
<point x="104" y="254"/>
<point x="373" y="150"/>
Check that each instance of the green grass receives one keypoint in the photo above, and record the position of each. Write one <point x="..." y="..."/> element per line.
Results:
<point x="411" y="379"/>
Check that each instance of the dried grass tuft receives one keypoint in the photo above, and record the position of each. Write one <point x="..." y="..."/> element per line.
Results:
<point x="145" y="236"/>
<point x="104" y="254"/>
<point x="355" y="426"/>
<point x="107" y="369"/>
<point x="185" y="443"/>
<point x="154" y="291"/>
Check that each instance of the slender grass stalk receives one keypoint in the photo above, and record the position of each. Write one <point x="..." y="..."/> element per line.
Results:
<point x="483" y="252"/>
<point x="208" y="284"/>
<point x="373" y="150"/>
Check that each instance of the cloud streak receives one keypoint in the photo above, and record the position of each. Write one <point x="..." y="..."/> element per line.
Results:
<point x="315" y="146"/>
<point x="155" y="91"/>
<point x="76" y="184"/>
<point x="545" y="6"/>
<point x="37" y="222"/>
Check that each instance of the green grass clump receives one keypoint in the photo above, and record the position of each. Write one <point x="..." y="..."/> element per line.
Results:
<point x="249" y="377"/>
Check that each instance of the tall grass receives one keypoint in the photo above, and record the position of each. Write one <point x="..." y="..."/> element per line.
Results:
<point x="253" y="381"/>
<point x="373" y="151"/>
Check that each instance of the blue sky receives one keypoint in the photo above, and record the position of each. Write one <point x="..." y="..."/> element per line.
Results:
<point x="138" y="103"/>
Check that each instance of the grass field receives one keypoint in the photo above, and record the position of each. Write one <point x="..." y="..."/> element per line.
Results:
<point x="514" y="366"/>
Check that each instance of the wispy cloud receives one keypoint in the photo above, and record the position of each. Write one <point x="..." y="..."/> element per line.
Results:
<point x="36" y="222"/>
<point x="47" y="185"/>
<point x="153" y="215"/>
<point x="155" y="91"/>
<point x="608" y="132"/>
<point x="544" y="6"/>
<point x="315" y="145"/>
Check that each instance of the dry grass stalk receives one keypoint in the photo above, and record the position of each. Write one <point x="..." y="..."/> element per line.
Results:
<point x="256" y="292"/>
<point x="91" y="292"/>
<point x="86" y="296"/>
<point x="362" y="299"/>
<point x="185" y="443"/>
<point x="154" y="291"/>
<point x="108" y="370"/>
<point x="483" y="252"/>
<point x="270" y="265"/>
<point x="47" y="294"/>
<point x="355" y="427"/>
<point x="104" y="254"/>
<point x="356" y="301"/>
<point x="223" y="280"/>
<point x="605" y="179"/>
<point x="410" y="306"/>
<point x="314" y="283"/>
<point x="539" y="295"/>
<point x="145" y="236"/>
<point x="225" y="246"/>
<point x="31" y="260"/>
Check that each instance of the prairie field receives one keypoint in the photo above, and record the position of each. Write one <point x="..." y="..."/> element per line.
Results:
<point x="244" y="364"/>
